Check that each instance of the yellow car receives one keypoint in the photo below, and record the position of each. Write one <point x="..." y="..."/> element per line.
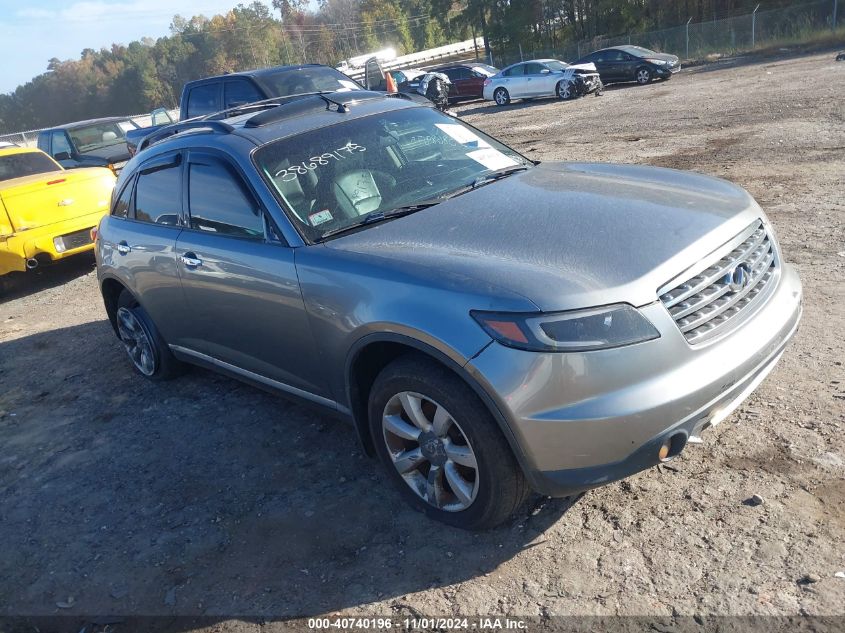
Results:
<point x="47" y="212"/>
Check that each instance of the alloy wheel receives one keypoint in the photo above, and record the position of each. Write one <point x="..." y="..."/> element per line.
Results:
<point x="643" y="76"/>
<point x="430" y="451"/>
<point x="501" y="97"/>
<point x="137" y="342"/>
<point x="564" y="90"/>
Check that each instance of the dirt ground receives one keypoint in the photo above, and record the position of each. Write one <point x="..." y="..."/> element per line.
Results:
<point x="207" y="497"/>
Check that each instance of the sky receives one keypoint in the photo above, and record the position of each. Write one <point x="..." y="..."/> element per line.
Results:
<point x="33" y="31"/>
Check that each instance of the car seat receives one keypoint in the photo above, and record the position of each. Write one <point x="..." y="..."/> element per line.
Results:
<point x="297" y="192"/>
<point x="109" y="136"/>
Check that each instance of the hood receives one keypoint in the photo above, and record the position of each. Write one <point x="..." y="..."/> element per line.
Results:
<point x="664" y="56"/>
<point x="568" y="236"/>
<point x="105" y="155"/>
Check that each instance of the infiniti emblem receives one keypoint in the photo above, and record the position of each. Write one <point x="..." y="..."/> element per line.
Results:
<point x="738" y="278"/>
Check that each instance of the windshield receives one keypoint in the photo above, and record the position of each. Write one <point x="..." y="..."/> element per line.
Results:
<point x="331" y="178"/>
<point x="25" y="164"/>
<point x="638" y="50"/>
<point x="284" y="83"/>
<point x="556" y="65"/>
<point x="92" y="137"/>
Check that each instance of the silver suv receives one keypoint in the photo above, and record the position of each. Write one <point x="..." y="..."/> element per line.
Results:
<point x="489" y="325"/>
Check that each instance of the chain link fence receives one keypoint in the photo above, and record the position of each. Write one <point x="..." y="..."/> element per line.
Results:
<point x="692" y="41"/>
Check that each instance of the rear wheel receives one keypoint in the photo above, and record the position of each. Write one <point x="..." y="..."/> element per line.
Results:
<point x="145" y="347"/>
<point x="442" y="447"/>
<point x="501" y="97"/>
<point x="643" y="75"/>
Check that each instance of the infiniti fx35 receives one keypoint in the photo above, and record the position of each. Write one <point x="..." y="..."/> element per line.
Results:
<point x="489" y="325"/>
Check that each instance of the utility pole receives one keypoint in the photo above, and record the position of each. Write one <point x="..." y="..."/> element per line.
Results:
<point x="754" y="24"/>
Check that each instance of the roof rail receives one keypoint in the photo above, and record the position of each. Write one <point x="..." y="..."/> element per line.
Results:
<point x="169" y="130"/>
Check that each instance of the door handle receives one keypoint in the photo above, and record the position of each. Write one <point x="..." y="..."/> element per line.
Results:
<point x="123" y="248"/>
<point x="190" y="260"/>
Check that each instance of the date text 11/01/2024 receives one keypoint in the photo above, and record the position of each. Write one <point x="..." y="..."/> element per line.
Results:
<point x="423" y="623"/>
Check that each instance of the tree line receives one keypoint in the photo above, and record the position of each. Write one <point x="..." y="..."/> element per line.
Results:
<point x="133" y="78"/>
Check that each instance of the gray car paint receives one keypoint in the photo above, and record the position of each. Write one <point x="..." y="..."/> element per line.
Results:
<point x="554" y="238"/>
<point x="568" y="236"/>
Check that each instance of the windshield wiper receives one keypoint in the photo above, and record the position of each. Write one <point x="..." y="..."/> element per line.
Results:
<point x="381" y="216"/>
<point x="497" y="174"/>
<point x="485" y="179"/>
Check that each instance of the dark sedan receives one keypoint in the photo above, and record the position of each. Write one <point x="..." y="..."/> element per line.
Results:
<point x="467" y="79"/>
<point x="632" y="63"/>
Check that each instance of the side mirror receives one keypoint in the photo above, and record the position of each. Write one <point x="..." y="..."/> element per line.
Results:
<point x="62" y="156"/>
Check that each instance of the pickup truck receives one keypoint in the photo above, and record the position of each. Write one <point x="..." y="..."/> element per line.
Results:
<point x="214" y="94"/>
<point x="92" y="143"/>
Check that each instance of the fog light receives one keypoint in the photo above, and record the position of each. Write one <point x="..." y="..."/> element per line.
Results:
<point x="59" y="243"/>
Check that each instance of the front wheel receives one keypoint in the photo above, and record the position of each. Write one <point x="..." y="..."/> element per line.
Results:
<point x="501" y="97"/>
<point x="564" y="90"/>
<point x="643" y="75"/>
<point x="442" y="447"/>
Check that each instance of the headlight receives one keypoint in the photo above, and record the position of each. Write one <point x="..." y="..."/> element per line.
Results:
<point x="575" y="331"/>
<point x="659" y="62"/>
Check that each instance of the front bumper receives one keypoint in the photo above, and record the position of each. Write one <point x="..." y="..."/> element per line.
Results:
<point x="15" y="249"/>
<point x="581" y="420"/>
<point x="666" y="71"/>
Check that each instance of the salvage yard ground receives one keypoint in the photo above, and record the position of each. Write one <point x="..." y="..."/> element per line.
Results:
<point x="204" y="496"/>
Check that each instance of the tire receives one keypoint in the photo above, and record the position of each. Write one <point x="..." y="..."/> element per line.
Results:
<point x="439" y="477"/>
<point x="147" y="351"/>
<point x="644" y="75"/>
<point x="501" y="97"/>
<point x="564" y="90"/>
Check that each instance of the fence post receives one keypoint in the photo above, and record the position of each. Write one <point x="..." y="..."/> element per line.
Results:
<point x="754" y="24"/>
<point x="521" y="58"/>
<point x="579" y="50"/>
<point x="835" y="2"/>
<point x="687" y="27"/>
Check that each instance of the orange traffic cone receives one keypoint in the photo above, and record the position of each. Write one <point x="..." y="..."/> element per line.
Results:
<point x="391" y="82"/>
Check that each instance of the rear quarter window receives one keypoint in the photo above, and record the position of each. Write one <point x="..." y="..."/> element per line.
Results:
<point x="122" y="204"/>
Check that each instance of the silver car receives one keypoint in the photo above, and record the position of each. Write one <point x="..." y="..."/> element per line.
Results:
<point x="541" y="78"/>
<point x="488" y="324"/>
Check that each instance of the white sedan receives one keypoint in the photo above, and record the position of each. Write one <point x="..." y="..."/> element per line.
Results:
<point x="541" y="78"/>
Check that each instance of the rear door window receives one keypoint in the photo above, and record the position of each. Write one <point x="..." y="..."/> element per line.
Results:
<point x="220" y="202"/>
<point x="204" y="99"/>
<point x="516" y="71"/>
<point x="158" y="194"/>
<point x="239" y="92"/>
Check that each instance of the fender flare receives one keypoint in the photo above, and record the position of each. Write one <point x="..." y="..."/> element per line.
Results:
<point x="459" y="368"/>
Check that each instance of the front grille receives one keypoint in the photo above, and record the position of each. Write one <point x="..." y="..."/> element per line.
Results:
<point x="708" y="303"/>
<point x="76" y="239"/>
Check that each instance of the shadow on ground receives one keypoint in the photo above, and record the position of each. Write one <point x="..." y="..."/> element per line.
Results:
<point x="202" y="497"/>
<point x="19" y="284"/>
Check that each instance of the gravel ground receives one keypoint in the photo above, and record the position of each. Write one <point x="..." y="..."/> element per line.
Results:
<point x="207" y="497"/>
